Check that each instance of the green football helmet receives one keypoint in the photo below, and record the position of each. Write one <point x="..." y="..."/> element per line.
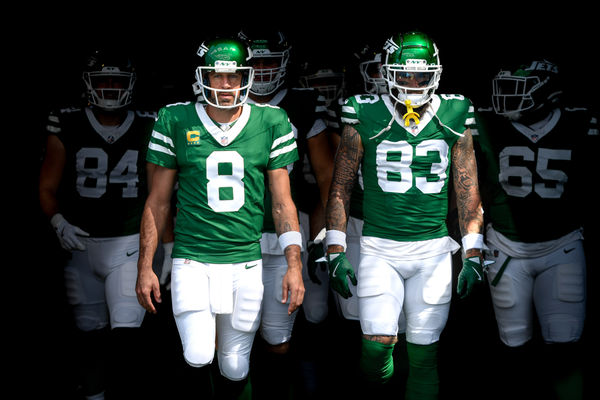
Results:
<point x="411" y="68"/>
<point x="270" y="57"/>
<point x="225" y="56"/>
<point x="527" y="89"/>
<point x="109" y="78"/>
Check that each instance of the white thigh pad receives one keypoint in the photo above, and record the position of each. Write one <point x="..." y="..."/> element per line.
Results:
<point x="380" y="296"/>
<point x="248" y="297"/>
<point x="124" y="309"/>
<point x="570" y="282"/>
<point x="376" y="276"/>
<point x="437" y="279"/>
<point x="189" y="286"/>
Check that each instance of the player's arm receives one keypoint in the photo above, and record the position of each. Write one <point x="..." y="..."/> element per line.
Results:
<point x="157" y="211"/>
<point x="168" y="237"/>
<point x="470" y="213"/>
<point x="466" y="187"/>
<point x="320" y="155"/>
<point x="51" y="174"/>
<point x="347" y="161"/>
<point x="285" y="217"/>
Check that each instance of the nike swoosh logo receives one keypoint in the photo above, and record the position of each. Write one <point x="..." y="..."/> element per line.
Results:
<point x="333" y="273"/>
<point x="250" y="266"/>
<point x="478" y="276"/>
<point x="568" y="250"/>
<point x="132" y="253"/>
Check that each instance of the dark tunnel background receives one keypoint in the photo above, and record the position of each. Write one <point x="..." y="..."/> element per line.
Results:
<point x="475" y="42"/>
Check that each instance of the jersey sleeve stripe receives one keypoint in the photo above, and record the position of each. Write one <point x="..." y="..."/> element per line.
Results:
<point x="53" y="129"/>
<point x="161" y="149"/>
<point x="347" y="120"/>
<point x="282" y="139"/>
<point x="162" y="138"/>
<point x="283" y="150"/>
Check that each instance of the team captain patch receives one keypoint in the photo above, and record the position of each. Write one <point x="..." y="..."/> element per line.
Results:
<point x="193" y="137"/>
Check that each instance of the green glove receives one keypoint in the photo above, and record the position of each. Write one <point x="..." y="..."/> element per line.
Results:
<point x="340" y="269"/>
<point x="470" y="275"/>
<point x="315" y="252"/>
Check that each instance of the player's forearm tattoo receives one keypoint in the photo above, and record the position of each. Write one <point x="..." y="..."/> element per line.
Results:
<point x="347" y="161"/>
<point x="468" y="200"/>
<point x="281" y="215"/>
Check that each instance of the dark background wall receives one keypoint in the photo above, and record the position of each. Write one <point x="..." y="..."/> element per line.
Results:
<point x="47" y="44"/>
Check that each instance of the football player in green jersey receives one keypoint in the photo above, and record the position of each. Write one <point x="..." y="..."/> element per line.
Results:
<point x="534" y="155"/>
<point x="406" y="143"/>
<point x="92" y="188"/>
<point x="310" y="177"/>
<point x="220" y="152"/>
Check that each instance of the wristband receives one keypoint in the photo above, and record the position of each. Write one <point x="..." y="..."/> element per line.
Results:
<point x="336" y="238"/>
<point x="289" y="238"/>
<point x="473" y="241"/>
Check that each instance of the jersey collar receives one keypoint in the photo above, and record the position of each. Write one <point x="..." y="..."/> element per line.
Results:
<point x="223" y="136"/>
<point x="538" y="130"/>
<point x="110" y="133"/>
<point x="413" y="129"/>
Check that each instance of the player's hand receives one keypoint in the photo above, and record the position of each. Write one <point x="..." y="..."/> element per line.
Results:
<point x="68" y="235"/>
<point x="315" y="253"/>
<point x="340" y="270"/>
<point x="146" y="287"/>
<point x="293" y="287"/>
<point x="470" y="275"/>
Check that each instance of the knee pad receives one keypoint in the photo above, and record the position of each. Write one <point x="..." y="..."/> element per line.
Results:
<point x="561" y="328"/>
<point x="425" y="325"/>
<point x="276" y="331"/>
<point x="197" y="333"/>
<point x="90" y="317"/>
<point x="234" y="366"/>
<point x="198" y="355"/>
<point x="127" y="315"/>
<point x="423" y="380"/>
<point x="376" y="361"/>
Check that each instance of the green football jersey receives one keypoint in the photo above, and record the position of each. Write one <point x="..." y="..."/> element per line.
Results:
<point x="405" y="169"/>
<point x="221" y="172"/>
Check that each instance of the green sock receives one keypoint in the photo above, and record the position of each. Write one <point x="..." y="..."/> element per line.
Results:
<point x="423" y="381"/>
<point x="376" y="361"/>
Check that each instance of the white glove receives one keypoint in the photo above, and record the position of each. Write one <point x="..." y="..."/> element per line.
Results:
<point x="167" y="264"/>
<point x="68" y="235"/>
